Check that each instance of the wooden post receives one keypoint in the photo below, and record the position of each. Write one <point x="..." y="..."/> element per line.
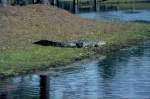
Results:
<point x="95" y="5"/>
<point x="34" y="1"/>
<point x="75" y="6"/>
<point x="55" y="2"/>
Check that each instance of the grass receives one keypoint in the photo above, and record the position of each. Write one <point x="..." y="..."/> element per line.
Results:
<point x="22" y="61"/>
<point x="21" y="26"/>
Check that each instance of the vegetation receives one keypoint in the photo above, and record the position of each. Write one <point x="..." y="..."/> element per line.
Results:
<point x="21" y="26"/>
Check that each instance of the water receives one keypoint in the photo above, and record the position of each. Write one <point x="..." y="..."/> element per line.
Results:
<point x="136" y="15"/>
<point x="121" y="75"/>
<point x="139" y="12"/>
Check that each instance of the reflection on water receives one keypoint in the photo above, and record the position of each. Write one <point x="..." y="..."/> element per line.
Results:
<point x="122" y="75"/>
<point x="44" y="87"/>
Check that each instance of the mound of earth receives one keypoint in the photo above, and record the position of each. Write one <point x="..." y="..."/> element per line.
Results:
<point x="21" y="26"/>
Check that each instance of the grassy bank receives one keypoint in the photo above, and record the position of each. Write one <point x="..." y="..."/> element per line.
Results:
<point x="21" y="26"/>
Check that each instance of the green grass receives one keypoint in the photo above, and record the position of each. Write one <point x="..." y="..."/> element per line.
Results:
<point x="14" y="62"/>
<point x="21" y="26"/>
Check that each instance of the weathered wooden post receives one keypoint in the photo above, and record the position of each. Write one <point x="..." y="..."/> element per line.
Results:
<point x="98" y="4"/>
<point x="75" y="6"/>
<point x="33" y="1"/>
<point x="95" y="5"/>
<point x="44" y="87"/>
<point x="55" y="2"/>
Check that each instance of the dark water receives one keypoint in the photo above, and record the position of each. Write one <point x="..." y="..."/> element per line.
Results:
<point x="121" y="75"/>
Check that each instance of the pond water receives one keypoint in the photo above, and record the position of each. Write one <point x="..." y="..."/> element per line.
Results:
<point x="138" y="12"/>
<point x="134" y="15"/>
<point x="121" y="75"/>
